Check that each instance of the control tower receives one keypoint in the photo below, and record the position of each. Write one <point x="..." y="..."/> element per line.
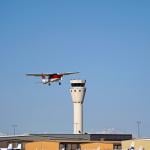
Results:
<point x="77" y="91"/>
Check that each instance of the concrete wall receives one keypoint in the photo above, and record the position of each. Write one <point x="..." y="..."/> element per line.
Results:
<point x="139" y="144"/>
<point x="42" y="146"/>
<point x="96" y="146"/>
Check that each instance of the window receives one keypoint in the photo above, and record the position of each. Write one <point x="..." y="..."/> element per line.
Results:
<point x="69" y="146"/>
<point x="78" y="84"/>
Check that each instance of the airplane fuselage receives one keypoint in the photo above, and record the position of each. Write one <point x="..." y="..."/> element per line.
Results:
<point x="51" y="78"/>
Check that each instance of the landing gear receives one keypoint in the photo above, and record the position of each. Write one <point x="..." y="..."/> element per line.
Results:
<point x="49" y="84"/>
<point x="59" y="83"/>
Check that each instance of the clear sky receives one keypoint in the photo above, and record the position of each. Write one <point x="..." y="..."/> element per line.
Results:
<point x="107" y="41"/>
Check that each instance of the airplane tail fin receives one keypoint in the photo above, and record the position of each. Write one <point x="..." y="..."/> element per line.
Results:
<point x="10" y="146"/>
<point x="18" y="147"/>
<point x="132" y="146"/>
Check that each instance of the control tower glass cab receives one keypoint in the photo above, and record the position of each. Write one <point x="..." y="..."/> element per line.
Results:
<point x="77" y="91"/>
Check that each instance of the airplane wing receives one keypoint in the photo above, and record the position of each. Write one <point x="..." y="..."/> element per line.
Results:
<point x="48" y="74"/>
<point x="68" y="73"/>
<point x="39" y="75"/>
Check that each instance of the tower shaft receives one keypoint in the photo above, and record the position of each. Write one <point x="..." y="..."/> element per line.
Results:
<point x="77" y="91"/>
<point x="78" y="118"/>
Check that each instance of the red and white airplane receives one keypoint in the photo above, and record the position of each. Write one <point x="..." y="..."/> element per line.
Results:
<point x="48" y="78"/>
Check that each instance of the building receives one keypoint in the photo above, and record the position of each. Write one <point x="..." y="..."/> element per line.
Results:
<point x="67" y="141"/>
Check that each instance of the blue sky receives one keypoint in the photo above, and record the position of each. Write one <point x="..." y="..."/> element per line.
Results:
<point x="108" y="42"/>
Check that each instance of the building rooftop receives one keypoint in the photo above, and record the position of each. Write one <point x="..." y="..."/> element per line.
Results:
<point x="67" y="137"/>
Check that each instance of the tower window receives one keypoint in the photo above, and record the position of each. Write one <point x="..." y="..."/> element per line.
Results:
<point x="77" y="84"/>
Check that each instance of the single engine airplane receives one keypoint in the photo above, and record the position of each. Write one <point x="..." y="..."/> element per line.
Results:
<point x="18" y="147"/>
<point x="48" y="78"/>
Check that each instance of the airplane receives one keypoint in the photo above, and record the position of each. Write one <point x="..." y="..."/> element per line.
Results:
<point x="10" y="147"/>
<point x="18" y="147"/>
<point x="132" y="146"/>
<point x="49" y="78"/>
